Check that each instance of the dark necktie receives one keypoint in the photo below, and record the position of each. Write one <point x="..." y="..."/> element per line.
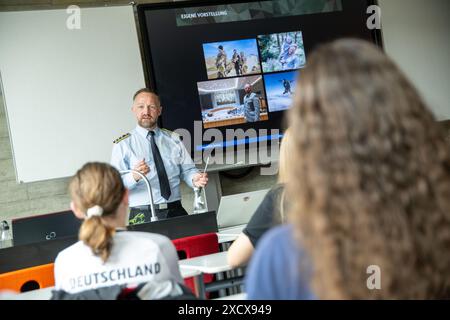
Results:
<point x="160" y="170"/>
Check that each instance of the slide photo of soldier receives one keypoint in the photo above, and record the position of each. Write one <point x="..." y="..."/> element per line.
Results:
<point x="232" y="101"/>
<point x="231" y="58"/>
<point x="280" y="89"/>
<point x="282" y="51"/>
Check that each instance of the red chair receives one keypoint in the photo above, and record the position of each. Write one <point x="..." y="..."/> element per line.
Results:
<point x="196" y="246"/>
<point x="38" y="277"/>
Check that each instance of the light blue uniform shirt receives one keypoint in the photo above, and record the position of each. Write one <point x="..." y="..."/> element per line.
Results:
<point x="177" y="162"/>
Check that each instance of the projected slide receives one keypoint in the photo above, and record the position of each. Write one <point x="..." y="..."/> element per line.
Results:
<point x="282" y="51"/>
<point x="280" y="89"/>
<point x="211" y="49"/>
<point x="231" y="58"/>
<point x="232" y="101"/>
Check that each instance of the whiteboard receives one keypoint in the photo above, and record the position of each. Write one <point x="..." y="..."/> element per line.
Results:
<point x="68" y="92"/>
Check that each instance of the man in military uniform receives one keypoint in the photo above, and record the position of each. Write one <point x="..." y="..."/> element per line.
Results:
<point x="243" y="63"/>
<point x="252" y="107"/>
<point x="236" y="60"/>
<point x="221" y="63"/>
<point x="160" y="155"/>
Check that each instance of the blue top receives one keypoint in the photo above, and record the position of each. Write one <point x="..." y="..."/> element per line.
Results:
<point x="177" y="162"/>
<point x="274" y="272"/>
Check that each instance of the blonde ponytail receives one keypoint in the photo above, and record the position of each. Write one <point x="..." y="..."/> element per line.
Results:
<point x="97" y="186"/>
<point x="98" y="236"/>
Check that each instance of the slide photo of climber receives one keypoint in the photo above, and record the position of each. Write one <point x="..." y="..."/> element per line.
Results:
<point x="231" y="58"/>
<point x="280" y="89"/>
<point x="282" y="51"/>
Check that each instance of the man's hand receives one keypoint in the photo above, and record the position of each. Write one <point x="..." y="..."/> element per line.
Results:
<point x="142" y="167"/>
<point x="200" y="180"/>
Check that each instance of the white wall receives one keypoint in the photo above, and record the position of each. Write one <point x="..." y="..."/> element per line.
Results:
<point x="67" y="92"/>
<point x="416" y="36"/>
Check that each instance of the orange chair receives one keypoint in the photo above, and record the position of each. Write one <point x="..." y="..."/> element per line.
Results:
<point x="28" y="279"/>
<point x="196" y="246"/>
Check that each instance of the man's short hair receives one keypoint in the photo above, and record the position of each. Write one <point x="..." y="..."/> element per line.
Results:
<point x="146" y="90"/>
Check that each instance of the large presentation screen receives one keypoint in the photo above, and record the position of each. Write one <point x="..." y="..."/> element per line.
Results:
<point x="234" y="65"/>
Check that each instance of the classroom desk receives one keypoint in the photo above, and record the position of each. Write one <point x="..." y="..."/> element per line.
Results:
<point x="198" y="279"/>
<point x="41" y="294"/>
<point x="210" y="264"/>
<point x="188" y="273"/>
<point x="230" y="234"/>
<point x="46" y="293"/>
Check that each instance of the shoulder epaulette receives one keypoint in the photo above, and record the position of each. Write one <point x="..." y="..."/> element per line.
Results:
<point x="171" y="133"/>
<point x="122" y="138"/>
<point x="168" y="131"/>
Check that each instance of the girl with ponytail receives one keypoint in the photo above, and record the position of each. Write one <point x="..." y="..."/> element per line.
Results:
<point x="100" y="198"/>
<point x="107" y="256"/>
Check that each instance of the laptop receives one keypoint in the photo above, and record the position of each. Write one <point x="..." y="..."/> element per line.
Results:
<point x="44" y="227"/>
<point x="237" y="209"/>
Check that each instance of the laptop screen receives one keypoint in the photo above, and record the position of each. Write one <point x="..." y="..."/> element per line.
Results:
<point x="45" y="227"/>
<point x="237" y="209"/>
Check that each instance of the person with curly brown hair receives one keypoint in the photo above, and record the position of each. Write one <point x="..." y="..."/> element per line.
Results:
<point x="370" y="189"/>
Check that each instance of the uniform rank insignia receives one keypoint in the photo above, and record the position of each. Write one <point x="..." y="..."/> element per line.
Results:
<point x="168" y="131"/>
<point x="121" y="138"/>
<point x="171" y="133"/>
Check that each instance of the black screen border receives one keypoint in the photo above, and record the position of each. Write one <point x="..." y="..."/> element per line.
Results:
<point x="149" y="74"/>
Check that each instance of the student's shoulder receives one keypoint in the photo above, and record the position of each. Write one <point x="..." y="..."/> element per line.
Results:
<point x="272" y="196"/>
<point x="276" y="190"/>
<point x="273" y="248"/>
<point x="143" y="237"/>
<point x="278" y="236"/>
<point x="70" y="252"/>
